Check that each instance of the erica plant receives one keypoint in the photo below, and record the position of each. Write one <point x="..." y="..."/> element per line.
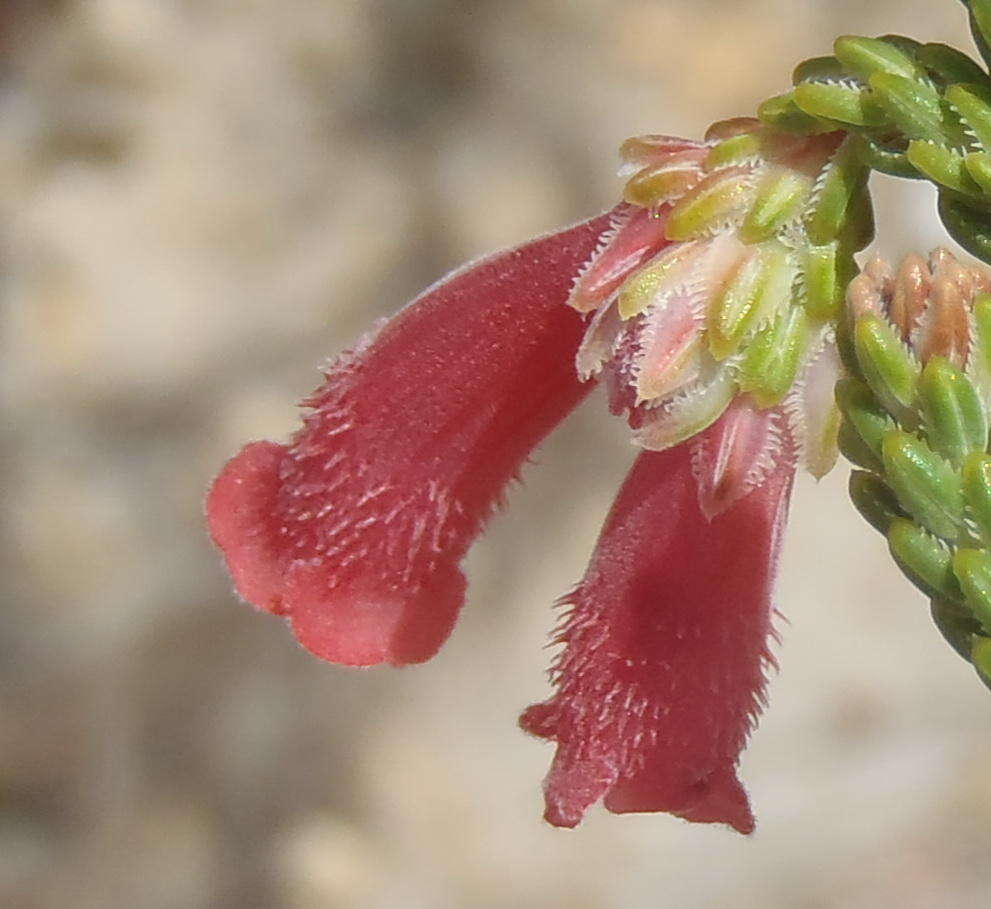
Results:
<point x="722" y="304"/>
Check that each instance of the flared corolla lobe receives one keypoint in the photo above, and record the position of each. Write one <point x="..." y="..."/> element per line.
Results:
<point x="665" y="648"/>
<point x="356" y="528"/>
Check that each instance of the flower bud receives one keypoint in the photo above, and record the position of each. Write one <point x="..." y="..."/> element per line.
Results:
<point x="946" y="331"/>
<point x="910" y="295"/>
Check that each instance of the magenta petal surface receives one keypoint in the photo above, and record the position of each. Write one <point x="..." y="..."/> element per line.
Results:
<point x="355" y="530"/>
<point x="665" y="640"/>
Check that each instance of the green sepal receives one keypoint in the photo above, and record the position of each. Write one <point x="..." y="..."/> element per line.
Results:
<point x="942" y="165"/>
<point x="875" y="502"/>
<point x="782" y="113"/>
<point x="861" y="409"/>
<point x="970" y="227"/>
<point x="925" y="560"/>
<point x="842" y="102"/>
<point x="866" y="56"/>
<point x="956" y="624"/>
<point x="980" y="656"/>
<point x="886" y="363"/>
<point x="772" y="358"/>
<point x="733" y="150"/>
<point x="855" y="450"/>
<point x="779" y="197"/>
<point x="818" y="68"/>
<point x="826" y="272"/>
<point x="758" y="290"/>
<point x="655" y="185"/>
<point x="973" y="570"/>
<point x="950" y="65"/>
<point x="976" y="479"/>
<point x="688" y="415"/>
<point x="845" y="177"/>
<point x="914" y="106"/>
<point x="926" y="485"/>
<point x="953" y="413"/>
<point x="721" y="195"/>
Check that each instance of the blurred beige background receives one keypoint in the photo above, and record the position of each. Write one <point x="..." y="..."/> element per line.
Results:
<point x="201" y="201"/>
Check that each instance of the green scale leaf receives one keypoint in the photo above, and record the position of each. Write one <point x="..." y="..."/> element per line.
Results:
<point x="925" y="560"/>
<point x="952" y="411"/>
<point x="927" y="487"/>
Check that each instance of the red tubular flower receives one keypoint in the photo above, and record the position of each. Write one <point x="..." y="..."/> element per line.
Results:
<point x="709" y="320"/>
<point x="662" y="673"/>
<point x="355" y="530"/>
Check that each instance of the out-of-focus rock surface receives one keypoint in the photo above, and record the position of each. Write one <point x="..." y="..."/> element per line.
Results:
<point x="202" y="200"/>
